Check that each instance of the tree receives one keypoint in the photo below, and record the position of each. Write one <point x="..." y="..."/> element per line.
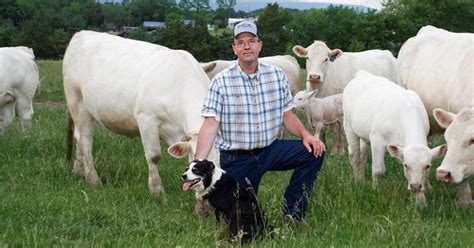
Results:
<point x="149" y="10"/>
<point x="116" y="14"/>
<point x="408" y="16"/>
<point x="272" y="30"/>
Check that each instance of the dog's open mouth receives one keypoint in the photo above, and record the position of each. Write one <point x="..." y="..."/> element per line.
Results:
<point x="189" y="184"/>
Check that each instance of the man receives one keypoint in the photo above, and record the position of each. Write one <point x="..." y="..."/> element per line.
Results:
<point x="245" y="107"/>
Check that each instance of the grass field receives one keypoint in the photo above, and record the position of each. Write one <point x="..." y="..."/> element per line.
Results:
<point x="43" y="204"/>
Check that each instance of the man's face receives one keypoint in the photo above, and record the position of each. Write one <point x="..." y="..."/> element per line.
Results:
<point x="247" y="47"/>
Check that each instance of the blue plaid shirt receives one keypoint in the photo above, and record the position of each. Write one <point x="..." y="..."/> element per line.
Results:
<point x="249" y="107"/>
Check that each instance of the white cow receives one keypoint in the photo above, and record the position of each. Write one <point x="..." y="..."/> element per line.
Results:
<point x="329" y="71"/>
<point x="132" y="88"/>
<point x="439" y="66"/>
<point x="287" y="63"/>
<point x="19" y="79"/>
<point x="386" y="116"/>
<point x="458" y="164"/>
<point x="323" y="111"/>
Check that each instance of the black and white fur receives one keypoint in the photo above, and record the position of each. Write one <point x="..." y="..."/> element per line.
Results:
<point x="236" y="205"/>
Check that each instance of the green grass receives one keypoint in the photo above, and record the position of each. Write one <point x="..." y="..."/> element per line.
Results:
<point x="43" y="204"/>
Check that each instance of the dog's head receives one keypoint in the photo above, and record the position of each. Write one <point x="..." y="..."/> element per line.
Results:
<point x="198" y="175"/>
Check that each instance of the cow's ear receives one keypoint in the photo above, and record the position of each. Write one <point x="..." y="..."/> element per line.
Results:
<point x="395" y="151"/>
<point x="209" y="66"/>
<point x="334" y="54"/>
<point x="300" y="51"/>
<point x="180" y="149"/>
<point x="443" y="117"/>
<point x="439" y="151"/>
<point x="313" y="93"/>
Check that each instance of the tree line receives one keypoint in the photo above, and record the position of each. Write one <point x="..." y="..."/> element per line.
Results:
<point x="48" y="25"/>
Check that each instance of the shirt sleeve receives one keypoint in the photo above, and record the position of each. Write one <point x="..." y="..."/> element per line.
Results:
<point x="288" y="98"/>
<point x="213" y="102"/>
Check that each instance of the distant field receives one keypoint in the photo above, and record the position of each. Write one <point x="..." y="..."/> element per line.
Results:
<point x="43" y="204"/>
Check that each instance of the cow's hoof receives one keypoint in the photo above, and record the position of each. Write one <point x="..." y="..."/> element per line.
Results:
<point x="78" y="170"/>
<point x="466" y="203"/>
<point x="94" y="180"/>
<point x="157" y="190"/>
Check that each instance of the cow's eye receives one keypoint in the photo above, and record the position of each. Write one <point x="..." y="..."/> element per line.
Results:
<point x="326" y="59"/>
<point x="406" y="166"/>
<point x="427" y="167"/>
<point x="471" y="142"/>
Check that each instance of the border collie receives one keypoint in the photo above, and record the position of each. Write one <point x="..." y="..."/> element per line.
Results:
<point x="237" y="206"/>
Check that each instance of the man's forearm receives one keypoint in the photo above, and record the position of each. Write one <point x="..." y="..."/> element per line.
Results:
<point x="207" y="135"/>
<point x="294" y="125"/>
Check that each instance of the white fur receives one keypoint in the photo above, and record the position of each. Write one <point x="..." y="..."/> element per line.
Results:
<point x="323" y="111"/>
<point x="334" y="76"/>
<point x="458" y="164"/>
<point x="133" y="88"/>
<point x="19" y="79"/>
<point x="438" y="66"/>
<point x="287" y="63"/>
<point x="386" y="116"/>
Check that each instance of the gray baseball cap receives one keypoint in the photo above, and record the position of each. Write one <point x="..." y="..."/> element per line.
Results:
<point x="245" y="26"/>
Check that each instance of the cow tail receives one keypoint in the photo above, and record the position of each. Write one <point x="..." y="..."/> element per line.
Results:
<point x="69" y="135"/>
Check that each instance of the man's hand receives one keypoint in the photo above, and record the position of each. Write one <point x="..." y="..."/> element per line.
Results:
<point x="314" y="145"/>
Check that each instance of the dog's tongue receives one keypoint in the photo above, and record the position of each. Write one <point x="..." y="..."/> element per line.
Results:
<point x="186" y="185"/>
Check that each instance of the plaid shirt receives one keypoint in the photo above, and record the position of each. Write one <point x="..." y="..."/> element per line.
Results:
<point x="249" y="107"/>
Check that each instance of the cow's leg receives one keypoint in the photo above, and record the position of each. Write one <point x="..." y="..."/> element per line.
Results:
<point x="354" y="153"/>
<point x="464" y="194"/>
<point x="84" y="134"/>
<point x="364" y="151"/>
<point x="78" y="168"/>
<point x="335" y="138"/>
<point x="342" y="137"/>
<point x="25" y="111"/>
<point x="7" y="114"/>
<point x="378" y="167"/>
<point x="150" y="136"/>
<point x="84" y="126"/>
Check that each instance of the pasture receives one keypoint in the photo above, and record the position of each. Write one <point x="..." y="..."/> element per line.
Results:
<point x="44" y="204"/>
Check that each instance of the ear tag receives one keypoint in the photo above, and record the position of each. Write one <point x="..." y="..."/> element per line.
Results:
<point x="332" y="58"/>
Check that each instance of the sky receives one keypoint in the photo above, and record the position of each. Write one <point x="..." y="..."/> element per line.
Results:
<point x="374" y="4"/>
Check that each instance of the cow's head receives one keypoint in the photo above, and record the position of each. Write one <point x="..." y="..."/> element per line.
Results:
<point x="187" y="147"/>
<point x="458" y="164"/>
<point x="318" y="56"/>
<point x="416" y="161"/>
<point x="302" y="98"/>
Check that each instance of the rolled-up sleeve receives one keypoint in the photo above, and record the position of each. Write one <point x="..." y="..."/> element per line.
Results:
<point x="213" y="102"/>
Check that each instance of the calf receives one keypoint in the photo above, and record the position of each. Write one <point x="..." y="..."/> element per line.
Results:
<point x="323" y="111"/>
<point x="458" y="164"/>
<point x="386" y="116"/>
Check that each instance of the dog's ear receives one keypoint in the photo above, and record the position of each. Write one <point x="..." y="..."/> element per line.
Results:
<point x="211" y="164"/>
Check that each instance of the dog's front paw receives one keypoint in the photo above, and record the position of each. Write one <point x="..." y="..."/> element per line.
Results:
<point x="202" y="209"/>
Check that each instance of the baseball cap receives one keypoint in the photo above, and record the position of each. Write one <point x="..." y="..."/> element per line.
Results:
<point x="245" y="26"/>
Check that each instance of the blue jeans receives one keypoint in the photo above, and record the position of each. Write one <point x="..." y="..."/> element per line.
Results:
<point x="281" y="155"/>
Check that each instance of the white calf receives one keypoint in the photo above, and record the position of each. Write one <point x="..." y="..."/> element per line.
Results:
<point x="323" y="111"/>
<point x="386" y="116"/>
